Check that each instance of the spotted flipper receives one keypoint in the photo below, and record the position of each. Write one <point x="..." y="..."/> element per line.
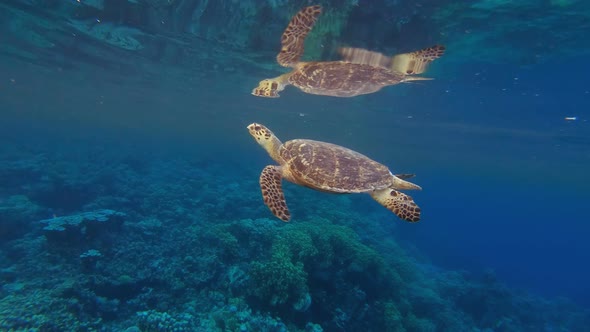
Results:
<point x="416" y="62"/>
<point x="293" y="37"/>
<point x="272" y="192"/>
<point x="407" y="63"/>
<point x="399" y="203"/>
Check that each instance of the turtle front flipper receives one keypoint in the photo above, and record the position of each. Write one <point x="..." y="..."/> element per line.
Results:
<point x="272" y="192"/>
<point x="271" y="87"/>
<point x="416" y="62"/>
<point x="399" y="203"/>
<point x="293" y="37"/>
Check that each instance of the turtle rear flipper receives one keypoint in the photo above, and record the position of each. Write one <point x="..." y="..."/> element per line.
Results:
<point x="292" y="40"/>
<point x="406" y="63"/>
<point x="416" y="62"/>
<point x="272" y="192"/>
<point x="401" y="184"/>
<point x="399" y="203"/>
<point x="364" y="57"/>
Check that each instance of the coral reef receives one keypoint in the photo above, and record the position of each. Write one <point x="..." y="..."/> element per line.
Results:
<point x="188" y="258"/>
<point x="465" y="27"/>
<point x="15" y="212"/>
<point x="130" y="238"/>
<point x="82" y="226"/>
<point x="239" y="36"/>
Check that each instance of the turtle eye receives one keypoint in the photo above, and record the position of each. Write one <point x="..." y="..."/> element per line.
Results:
<point x="257" y="128"/>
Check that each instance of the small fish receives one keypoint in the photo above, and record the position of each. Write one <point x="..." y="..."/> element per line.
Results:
<point x="571" y="118"/>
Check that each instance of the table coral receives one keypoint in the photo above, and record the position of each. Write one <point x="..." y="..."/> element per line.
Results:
<point x="82" y="225"/>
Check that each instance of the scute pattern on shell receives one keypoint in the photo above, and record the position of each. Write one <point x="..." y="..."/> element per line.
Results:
<point x="333" y="168"/>
<point x="342" y="79"/>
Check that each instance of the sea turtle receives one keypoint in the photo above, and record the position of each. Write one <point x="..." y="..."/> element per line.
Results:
<point x="359" y="72"/>
<point x="330" y="168"/>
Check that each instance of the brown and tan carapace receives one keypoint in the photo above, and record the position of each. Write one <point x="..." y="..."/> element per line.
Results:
<point x="329" y="168"/>
<point x="359" y="72"/>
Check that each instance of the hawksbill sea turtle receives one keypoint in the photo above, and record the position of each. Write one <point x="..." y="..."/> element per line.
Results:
<point x="329" y="168"/>
<point x="359" y="72"/>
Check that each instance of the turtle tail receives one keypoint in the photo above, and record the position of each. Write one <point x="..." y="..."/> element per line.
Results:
<point x="399" y="183"/>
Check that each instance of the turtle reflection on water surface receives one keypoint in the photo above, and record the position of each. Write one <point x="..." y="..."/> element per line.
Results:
<point x="359" y="72"/>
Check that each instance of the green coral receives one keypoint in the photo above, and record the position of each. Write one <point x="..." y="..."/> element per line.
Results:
<point x="283" y="278"/>
<point x="306" y="246"/>
<point x="393" y="319"/>
<point x="228" y="242"/>
<point x="296" y="244"/>
<point x="340" y="246"/>
<point x="417" y="324"/>
<point x="279" y="280"/>
<point x="327" y="245"/>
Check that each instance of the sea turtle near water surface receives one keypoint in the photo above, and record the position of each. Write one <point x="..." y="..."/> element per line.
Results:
<point x="359" y="72"/>
<point x="330" y="168"/>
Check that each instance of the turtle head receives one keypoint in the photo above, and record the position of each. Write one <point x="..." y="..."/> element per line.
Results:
<point x="265" y="138"/>
<point x="268" y="88"/>
<point x="260" y="133"/>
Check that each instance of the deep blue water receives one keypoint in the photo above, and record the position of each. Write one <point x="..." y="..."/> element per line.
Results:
<point x="504" y="175"/>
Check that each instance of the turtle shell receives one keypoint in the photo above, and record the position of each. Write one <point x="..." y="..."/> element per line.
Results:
<point x="333" y="168"/>
<point x="342" y="79"/>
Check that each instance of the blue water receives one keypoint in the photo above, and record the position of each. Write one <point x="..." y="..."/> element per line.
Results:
<point x="500" y="146"/>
